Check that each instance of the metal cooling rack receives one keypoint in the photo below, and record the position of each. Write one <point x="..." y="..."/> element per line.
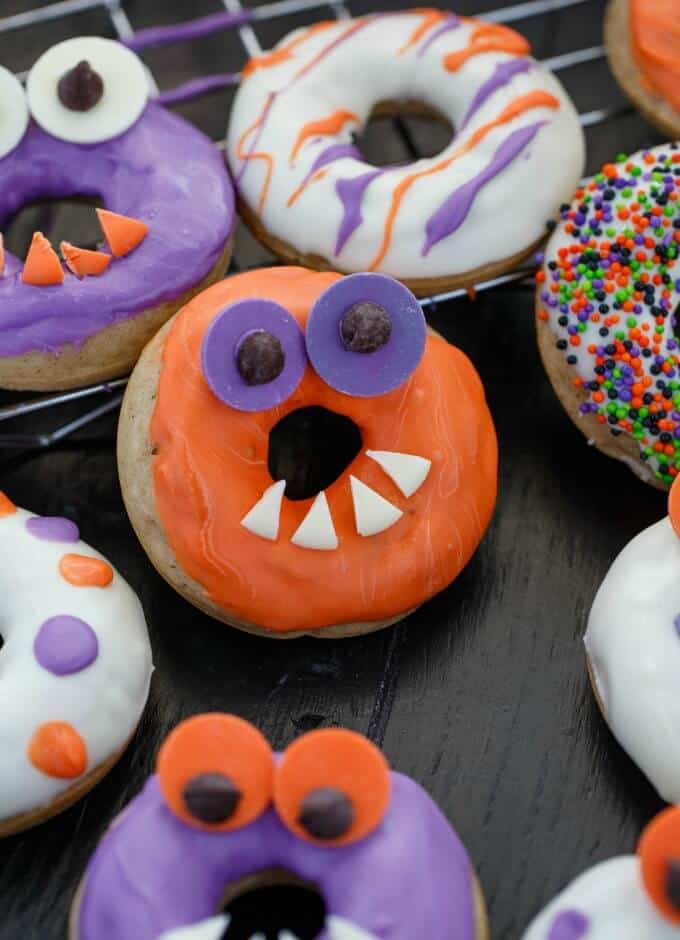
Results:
<point x="245" y="22"/>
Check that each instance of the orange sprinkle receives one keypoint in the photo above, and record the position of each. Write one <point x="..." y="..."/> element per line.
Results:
<point x="58" y="750"/>
<point x="42" y="267"/>
<point x="84" y="262"/>
<point x="85" y="571"/>
<point x="122" y="233"/>
<point x="7" y="507"/>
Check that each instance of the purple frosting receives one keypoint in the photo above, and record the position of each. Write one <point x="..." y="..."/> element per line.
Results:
<point x="454" y="211"/>
<point x="65" y="645"/>
<point x="502" y="76"/>
<point x="451" y="22"/>
<point x="220" y="347"/>
<point x="366" y="374"/>
<point x="53" y="529"/>
<point x="152" y="872"/>
<point x="162" y="171"/>
<point x="569" y="925"/>
<point x="351" y="193"/>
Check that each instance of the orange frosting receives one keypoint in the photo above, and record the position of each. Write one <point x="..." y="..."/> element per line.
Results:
<point x="42" y="266"/>
<point x="655" y="39"/>
<point x="208" y="474"/>
<point x="122" y="233"/>
<point x="328" y="125"/>
<point x="85" y="571"/>
<point x="84" y="262"/>
<point x="488" y="37"/>
<point x="58" y="750"/>
<point x="7" y="507"/>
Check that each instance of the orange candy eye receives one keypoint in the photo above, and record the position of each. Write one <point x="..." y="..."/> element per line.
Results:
<point x="674" y="505"/>
<point x="659" y="853"/>
<point x="216" y="772"/>
<point x="332" y="787"/>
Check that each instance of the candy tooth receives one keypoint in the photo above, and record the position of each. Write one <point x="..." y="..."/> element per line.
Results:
<point x="263" y="518"/>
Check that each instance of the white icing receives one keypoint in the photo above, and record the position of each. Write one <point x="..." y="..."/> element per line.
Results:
<point x="103" y="702"/>
<point x="509" y="212"/>
<point x="211" y="929"/>
<point x="340" y="929"/>
<point x="611" y="895"/>
<point x="13" y="112"/>
<point x="372" y="512"/>
<point x="263" y="518"/>
<point x="407" y="471"/>
<point x="634" y="648"/>
<point x="317" y="530"/>
<point x="126" y="90"/>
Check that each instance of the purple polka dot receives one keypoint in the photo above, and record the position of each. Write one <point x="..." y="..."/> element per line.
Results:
<point x="53" y="529"/>
<point x="569" y="925"/>
<point x="65" y="645"/>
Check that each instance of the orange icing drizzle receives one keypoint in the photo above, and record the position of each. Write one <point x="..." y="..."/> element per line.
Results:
<point x="285" y="52"/>
<point x="655" y="38"/>
<point x="42" y="266"/>
<point x="85" y="571"/>
<point x="208" y="474"/>
<point x="488" y="37"/>
<point x="122" y="233"/>
<point x="319" y="175"/>
<point x="328" y="125"/>
<point x="83" y="262"/>
<point x="57" y="750"/>
<point x="534" y="99"/>
<point x="430" y="18"/>
<point x="350" y="31"/>
<point x="7" y="507"/>
<point x="260" y="154"/>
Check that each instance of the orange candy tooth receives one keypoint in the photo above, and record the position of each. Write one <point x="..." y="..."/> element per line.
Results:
<point x="42" y="266"/>
<point x="83" y="262"/>
<point x="58" y="750"/>
<point x="121" y="232"/>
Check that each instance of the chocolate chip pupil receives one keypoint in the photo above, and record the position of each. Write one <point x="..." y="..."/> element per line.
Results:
<point x="260" y="358"/>
<point x="81" y="88"/>
<point x="326" y="813"/>
<point x="365" y="327"/>
<point x="673" y="882"/>
<point x="211" y="798"/>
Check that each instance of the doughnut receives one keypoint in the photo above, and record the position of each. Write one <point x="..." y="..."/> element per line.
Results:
<point x="606" y="299"/>
<point x="633" y="648"/>
<point x="630" y="897"/>
<point x="85" y="127"/>
<point x="328" y="392"/>
<point x="323" y="840"/>
<point x="76" y="666"/>
<point x="469" y="213"/>
<point x="643" y="45"/>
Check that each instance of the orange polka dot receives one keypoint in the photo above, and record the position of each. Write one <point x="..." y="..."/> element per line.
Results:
<point x="7" y="507"/>
<point x="57" y="750"/>
<point x="85" y="571"/>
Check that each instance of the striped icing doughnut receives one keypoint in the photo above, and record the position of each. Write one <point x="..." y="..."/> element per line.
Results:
<point x="75" y="666"/>
<point x="473" y="209"/>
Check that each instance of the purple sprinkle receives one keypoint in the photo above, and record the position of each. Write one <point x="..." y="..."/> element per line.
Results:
<point x="53" y="529"/>
<point x="569" y="925"/>
<point x="65" y="645"/>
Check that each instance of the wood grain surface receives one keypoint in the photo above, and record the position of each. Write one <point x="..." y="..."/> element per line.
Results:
<point x="481" y="695"/>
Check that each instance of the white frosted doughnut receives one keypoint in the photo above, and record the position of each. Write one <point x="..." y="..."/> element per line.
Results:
<point x="75" y="666"/>
<point x="517" y="152"/>
<point x="13" y="112"/>
<point x="125" y="90"/>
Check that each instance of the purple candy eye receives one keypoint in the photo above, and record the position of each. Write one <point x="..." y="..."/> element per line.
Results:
<point x="253" y="355"/>
<point x="366" y="335"/>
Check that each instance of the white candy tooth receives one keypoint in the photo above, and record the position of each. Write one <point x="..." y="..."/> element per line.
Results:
<point x="211" y="929"/>
<point x="372" y="512"/>
<point x="407" y="471"/>
<point x="287" y="935"/>
<point x="317" y="530"/>
<point x="340" y="929"/>
<point x="263" y="518"/>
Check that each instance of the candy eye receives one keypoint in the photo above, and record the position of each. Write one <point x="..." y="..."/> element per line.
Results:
<point x="365" y="335"/>
<point x="253" y="355"/>
<point x="87" y="90"/>
<point x="659" y="854"/>
<point x="332" y="787"/>
<point x="215" y="772"/>
<point x="13" y="112"/>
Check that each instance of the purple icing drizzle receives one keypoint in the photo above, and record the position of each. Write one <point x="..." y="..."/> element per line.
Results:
<point x="332" y="153"/>
<point x="351" y="193"/>
<point x="453" y="212"/>
<point x="65" y="645"/>
<point x="53" y="529"/>
<point x="502" y="76"/>
<point x="569" y="925"/>
<point x="451" y="22"/>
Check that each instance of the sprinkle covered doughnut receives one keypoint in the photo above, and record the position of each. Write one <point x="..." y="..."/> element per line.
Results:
<point x="606" y="302"/>
<point x="472" y="211"/>
<point x="344" y="467"/>
<point x="75" y="663"/>
<point x="632" y="897"/>
<point x="322" y="841"/>
<point x="633" y="648"/>
<point x="85" y="126"/>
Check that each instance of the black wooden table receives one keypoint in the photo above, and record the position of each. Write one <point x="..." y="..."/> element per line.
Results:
<point x="482" y="694"/>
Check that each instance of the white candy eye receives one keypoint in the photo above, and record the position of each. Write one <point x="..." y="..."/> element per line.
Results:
<point x="87" y="90"/>
<point x="13" y="112"/>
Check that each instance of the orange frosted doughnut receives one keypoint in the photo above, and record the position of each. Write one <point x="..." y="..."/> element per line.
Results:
<point x="209" y="469"/>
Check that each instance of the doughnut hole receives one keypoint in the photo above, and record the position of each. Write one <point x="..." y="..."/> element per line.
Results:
<point x="271" y="902"/>
<point x="310" y="448"/>
<point x="73" y="220"/>
<point x="416" y="130"/>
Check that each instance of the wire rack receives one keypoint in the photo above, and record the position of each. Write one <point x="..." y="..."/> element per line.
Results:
<point x="244" y="22"/>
